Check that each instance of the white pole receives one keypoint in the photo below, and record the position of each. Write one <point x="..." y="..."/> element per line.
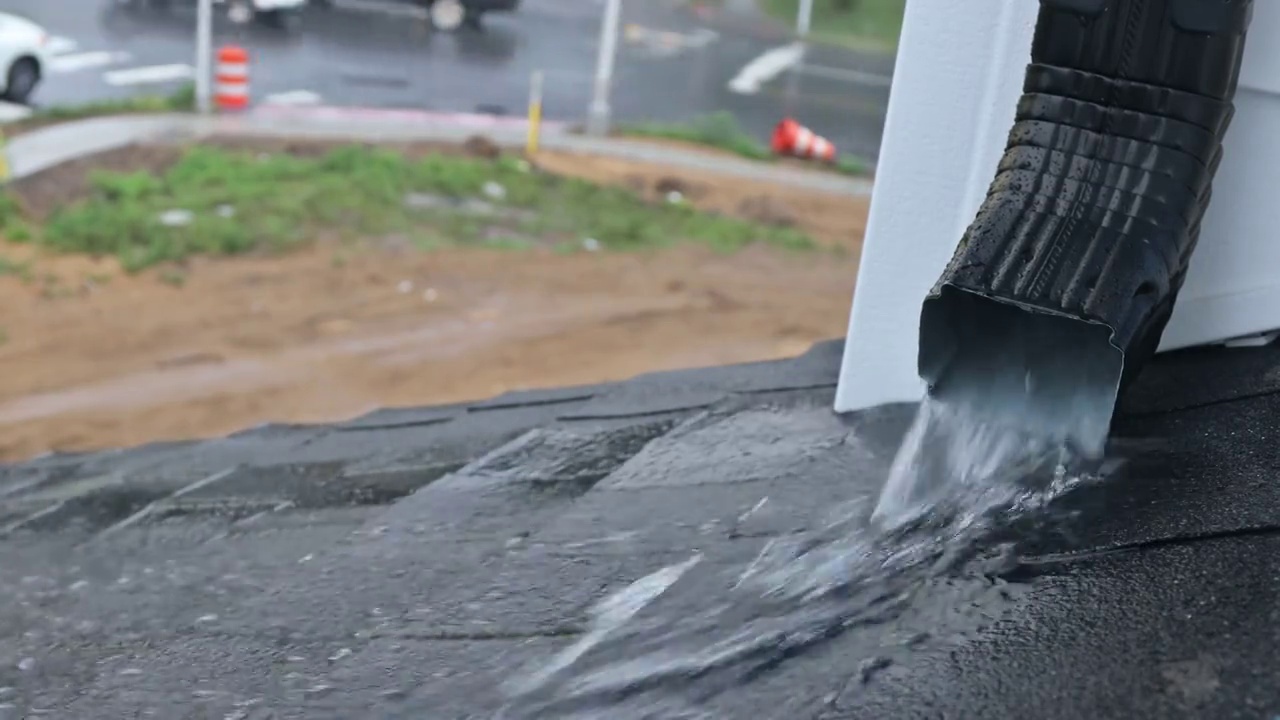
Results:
<point x="598" y="115"/>
<point x="804" y="18"/>
<point x="204" y="54"/>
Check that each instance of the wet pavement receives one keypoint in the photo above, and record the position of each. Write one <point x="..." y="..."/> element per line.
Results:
<point x="672" y="66"/>
<point x="613" y="552"/>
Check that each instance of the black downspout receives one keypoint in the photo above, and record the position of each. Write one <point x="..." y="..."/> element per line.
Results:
<point x="1059" y="291"/>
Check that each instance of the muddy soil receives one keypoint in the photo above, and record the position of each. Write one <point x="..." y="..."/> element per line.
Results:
<point x="93" y="358"/>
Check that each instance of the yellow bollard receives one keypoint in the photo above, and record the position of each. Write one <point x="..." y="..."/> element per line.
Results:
<point x="535" y="113"/>
<point x="4" y="159"/>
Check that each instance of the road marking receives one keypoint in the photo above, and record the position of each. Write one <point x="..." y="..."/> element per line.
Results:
<point x="83" y="61"/>
<point x="10" y="112"/>
<point x="59" y="45"/>
<point x="768" y="66"/>
<point x="150" y="74"/>
<point x="856" y="77"/>
<point x="667" y="42"/>
<point x="293" y="97"/>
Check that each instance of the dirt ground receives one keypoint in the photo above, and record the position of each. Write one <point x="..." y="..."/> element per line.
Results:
<point x="93" y="358"/>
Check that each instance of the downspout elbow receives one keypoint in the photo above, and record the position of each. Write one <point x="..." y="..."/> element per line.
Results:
<point x="1065" y="280"/>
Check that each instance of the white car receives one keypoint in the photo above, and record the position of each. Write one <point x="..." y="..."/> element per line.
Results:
<point x="24" y="55"/>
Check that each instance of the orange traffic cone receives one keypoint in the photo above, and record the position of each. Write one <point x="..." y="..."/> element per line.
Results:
<point x="792" y="138"/>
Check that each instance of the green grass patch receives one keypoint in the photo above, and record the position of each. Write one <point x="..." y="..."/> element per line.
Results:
<point x="722" y="131"/>
<point x="215" y="201"/>
<point x="862" y="24"/>
<point x="181" y="100"/>
<point x="718" y="130"/>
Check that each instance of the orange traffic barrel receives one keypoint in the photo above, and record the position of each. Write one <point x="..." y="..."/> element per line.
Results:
<point x="231" y="78"/>
<point x="792" y="138"/>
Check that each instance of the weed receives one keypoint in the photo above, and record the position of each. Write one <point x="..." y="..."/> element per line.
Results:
<point x="872" y="25"/>
<point x="719" y="130"/>
<point x="12" y="225"/>
<point x="15" y="268"/>
<point x="181" y="100"/>
<point x="174" y="278"/>
<point x="722" y="131"/>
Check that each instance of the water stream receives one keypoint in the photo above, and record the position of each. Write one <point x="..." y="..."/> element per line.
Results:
<point x="962" y="473"/>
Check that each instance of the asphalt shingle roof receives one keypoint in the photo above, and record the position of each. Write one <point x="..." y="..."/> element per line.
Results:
<point x="416" y="563"/>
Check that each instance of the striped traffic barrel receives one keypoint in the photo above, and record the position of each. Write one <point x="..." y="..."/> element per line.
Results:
<point x="231" y="78"/>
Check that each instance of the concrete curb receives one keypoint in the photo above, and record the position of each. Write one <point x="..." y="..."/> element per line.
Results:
<point x="41" y="149"/>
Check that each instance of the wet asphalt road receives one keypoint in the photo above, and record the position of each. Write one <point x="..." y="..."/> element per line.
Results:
<point x="375" y="59"/>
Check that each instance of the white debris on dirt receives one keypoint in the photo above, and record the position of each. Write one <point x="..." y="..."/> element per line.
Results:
<point x="176" y="218"/>
<point x="495" y="191"/>
<point x="591" y="245"/>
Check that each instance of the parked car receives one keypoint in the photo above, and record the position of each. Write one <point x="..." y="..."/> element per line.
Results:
<point x="283" y="14"/>
<point x="24" y="55"/>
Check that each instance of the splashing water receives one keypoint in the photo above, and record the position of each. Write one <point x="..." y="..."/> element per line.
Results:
<point x="971" y="461"/>
<point x="1006" y="415"/>
<point x="607" y="616"/>
<point x="954" y="457"/>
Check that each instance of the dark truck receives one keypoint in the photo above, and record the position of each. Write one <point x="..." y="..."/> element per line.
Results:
<point x="450" y="15"/>
<point x="283" y="14"/>
<point x="444" y="15"/>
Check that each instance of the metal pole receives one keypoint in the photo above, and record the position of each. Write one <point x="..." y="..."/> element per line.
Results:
<point x="598" y="115"/>
<point x="804" y="17"/>
<point x="204" y="54"/>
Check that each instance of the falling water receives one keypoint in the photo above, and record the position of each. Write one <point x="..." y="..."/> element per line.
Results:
<point x="1035" y="394"/>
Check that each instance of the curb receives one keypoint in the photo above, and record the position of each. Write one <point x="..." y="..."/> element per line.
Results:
<point x="330" y="113"/>
<point x="47" y="147"/>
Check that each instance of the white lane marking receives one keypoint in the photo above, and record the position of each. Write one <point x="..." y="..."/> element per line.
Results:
<point x="10" y="112"/>
<point x="769" y="65"/>
<point x="150" y="74"/>
<point x="59" y="45"/>
<point x="73" y="62"/>
<point x="856" y="77"/>
<point x="293" y="97"/>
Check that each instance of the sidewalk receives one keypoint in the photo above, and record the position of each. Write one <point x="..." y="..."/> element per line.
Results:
<point x="38" y="150"/>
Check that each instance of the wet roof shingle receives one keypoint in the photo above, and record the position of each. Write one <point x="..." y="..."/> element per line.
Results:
<point x="408" y="563"/>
